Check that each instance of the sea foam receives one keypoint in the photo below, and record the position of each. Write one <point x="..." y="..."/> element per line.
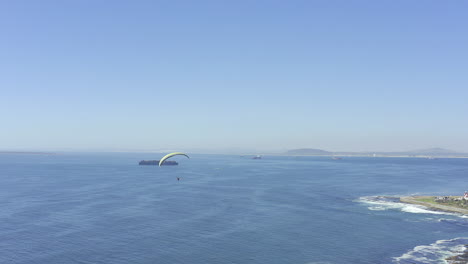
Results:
<point x="434" y="253"/>
<point x="381" y="203"/>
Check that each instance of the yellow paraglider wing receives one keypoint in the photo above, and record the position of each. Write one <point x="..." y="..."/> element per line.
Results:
<point x="171" y="155"/>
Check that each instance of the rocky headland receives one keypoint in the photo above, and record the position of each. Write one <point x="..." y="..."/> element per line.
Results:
<point x="428" y="201"/>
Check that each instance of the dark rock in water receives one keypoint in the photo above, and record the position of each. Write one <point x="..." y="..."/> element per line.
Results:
<point x="459" y="259"/>
<point x="156" y="162"/>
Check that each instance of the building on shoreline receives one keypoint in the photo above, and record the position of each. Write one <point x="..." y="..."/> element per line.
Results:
<point x="445" y="199"/>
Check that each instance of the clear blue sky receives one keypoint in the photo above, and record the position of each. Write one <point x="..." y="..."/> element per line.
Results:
<point x="250" y="75"/>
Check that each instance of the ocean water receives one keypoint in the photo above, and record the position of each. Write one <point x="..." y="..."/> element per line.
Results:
<point x="104" y="208"/>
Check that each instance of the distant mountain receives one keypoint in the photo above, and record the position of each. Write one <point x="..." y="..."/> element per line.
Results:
<point x="27" y="152"/>
<point x="308" y="151"/>
<point x="440" y="152"/>
<point x="433" y="151"/>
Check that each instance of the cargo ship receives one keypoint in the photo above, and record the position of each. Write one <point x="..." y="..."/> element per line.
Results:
<point x="156" y="162"/>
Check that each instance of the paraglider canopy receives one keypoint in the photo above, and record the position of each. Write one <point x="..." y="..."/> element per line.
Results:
<point x="171" y="155"/>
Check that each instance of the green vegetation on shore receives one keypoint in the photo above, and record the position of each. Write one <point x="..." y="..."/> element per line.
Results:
<point x="449" y="205"/>
<point x="463" y="204"/>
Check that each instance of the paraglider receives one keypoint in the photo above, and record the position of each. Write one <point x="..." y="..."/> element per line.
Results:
<point x="171" y="155"/>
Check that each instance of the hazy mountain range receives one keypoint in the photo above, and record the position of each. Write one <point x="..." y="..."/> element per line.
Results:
<point x="419" y="152"/>
<point x="430" y="152"/>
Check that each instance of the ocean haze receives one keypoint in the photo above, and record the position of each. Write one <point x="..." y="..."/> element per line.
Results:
<point x="427" y="153"/>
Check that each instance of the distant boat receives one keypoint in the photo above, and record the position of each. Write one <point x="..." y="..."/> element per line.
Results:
<point x="336" y="158"/>
<point x="257" y="157"/>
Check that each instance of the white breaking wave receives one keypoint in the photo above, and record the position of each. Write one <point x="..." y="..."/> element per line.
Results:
<point x="381" y="203"/>
<point x="435" y="253"/>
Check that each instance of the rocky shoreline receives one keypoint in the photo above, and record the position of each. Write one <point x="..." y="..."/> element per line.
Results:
<point x="459" y="259"/>
<point x="436" y="207"/>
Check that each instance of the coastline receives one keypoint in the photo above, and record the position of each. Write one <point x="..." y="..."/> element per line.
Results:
<point x="455" y="259"/>
<point x="459" y="259"/>
<point x="363" y="155"/>
<point x="437" y="207"/>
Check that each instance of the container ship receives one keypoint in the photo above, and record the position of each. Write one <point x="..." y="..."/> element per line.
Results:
<point x="156" y="162"/>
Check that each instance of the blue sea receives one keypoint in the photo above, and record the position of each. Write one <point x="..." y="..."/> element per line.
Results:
<point x="105" y="208"/>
